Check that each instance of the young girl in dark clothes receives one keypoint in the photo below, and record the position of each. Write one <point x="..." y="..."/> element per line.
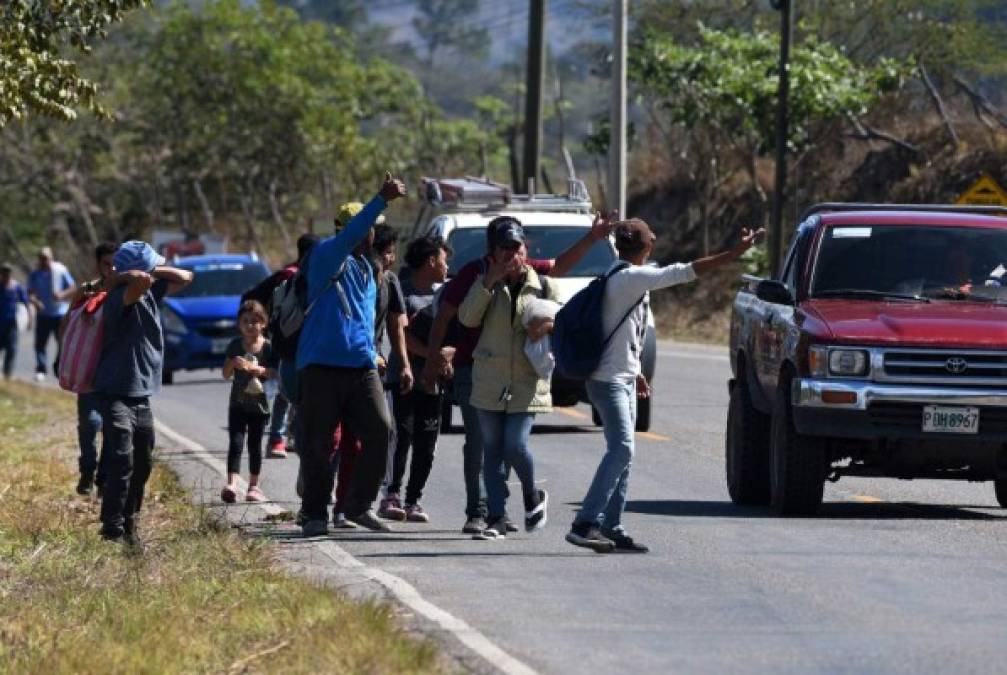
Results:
<point x="249" y="360"/>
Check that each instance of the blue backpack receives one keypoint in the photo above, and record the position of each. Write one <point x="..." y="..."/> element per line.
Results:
<point x="578" y="334"/>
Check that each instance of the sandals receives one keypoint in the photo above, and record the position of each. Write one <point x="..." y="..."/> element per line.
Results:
<point x="254" y="494"/>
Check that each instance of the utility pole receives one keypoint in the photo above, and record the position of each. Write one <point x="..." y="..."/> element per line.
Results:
<point x="617" y="131"/>
<point x="533" y="93"/>
<point x="782" y="126"/>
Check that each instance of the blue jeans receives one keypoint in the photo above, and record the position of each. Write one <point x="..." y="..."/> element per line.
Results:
<point x="472" y="450"/>
<point x="505" y="443"/>
<point x="606" y="498"/>
<point x="288" y="389"/>
<point x="88" y="426"/>
<point x="8" y="345"/>
<point x="278" y="421"/>
<point x="45" y="327"/>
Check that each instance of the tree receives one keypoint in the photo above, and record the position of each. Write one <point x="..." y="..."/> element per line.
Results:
<point x="722" y="92"/>
<point x="444" y="24"/>
<point x="35" y="74"/>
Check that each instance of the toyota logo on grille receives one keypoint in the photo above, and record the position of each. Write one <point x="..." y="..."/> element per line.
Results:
<point x="956" y="365"/>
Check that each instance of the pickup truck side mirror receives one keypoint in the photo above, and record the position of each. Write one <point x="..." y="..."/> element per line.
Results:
<point x="776" y="292"/>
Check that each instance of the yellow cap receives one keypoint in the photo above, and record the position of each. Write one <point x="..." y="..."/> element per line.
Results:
<point x="346" y="212"/>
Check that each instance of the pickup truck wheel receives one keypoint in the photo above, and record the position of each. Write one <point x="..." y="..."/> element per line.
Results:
<point x="746" y="449"/>
<point x="797" y="464"/>
<point x="643" y="413"/>
<point x="1000" y="486"/>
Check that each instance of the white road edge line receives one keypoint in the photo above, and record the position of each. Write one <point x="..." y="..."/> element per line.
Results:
<point x="403" y="591"/>
<point x="677" y="354"/>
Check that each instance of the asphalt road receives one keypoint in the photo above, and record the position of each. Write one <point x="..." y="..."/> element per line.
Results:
<point x="893" y="576"/>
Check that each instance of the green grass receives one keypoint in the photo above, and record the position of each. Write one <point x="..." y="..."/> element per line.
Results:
<point x="202" y="598"/>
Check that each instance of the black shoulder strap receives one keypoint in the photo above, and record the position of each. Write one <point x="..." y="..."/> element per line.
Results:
<point x="618" y="268"/>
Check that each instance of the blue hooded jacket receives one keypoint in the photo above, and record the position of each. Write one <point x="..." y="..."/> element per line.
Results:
<point x="329" y="336"/>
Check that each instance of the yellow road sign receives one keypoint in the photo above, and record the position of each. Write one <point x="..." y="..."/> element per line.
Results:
<point x="985" y="192"/>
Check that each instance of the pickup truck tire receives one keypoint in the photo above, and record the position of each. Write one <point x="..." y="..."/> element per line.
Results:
<point x="797" y="464"/>
<point x="746" y="449"/>
<point x="1000" y="487"/>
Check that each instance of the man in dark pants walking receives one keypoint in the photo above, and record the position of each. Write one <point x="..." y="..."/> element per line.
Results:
<point x="129" y="373"/>
<point x="338" y="379"/>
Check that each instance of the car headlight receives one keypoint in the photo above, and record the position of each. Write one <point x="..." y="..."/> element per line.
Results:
<point x="837" y="361"/>
<point x="171" y="321"/>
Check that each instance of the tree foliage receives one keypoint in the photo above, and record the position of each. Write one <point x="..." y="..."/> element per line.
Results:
<point x="37" y="74"/>
<point x="729" y="81"/>
<point x="228" y="115"/>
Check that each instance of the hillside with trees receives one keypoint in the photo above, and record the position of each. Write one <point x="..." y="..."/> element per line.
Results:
<point x="254" y="119"/>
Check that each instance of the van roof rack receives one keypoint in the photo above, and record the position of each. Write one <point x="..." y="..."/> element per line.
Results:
<point x="946" y="208"/>
<point x="481" y="194"/>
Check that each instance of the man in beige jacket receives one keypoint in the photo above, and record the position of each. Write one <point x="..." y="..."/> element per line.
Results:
<point x="506" y="390"/>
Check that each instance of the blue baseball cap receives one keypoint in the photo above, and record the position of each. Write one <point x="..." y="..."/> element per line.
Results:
<point x="136" y="255"/>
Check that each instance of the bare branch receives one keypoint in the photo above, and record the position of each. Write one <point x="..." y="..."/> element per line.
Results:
<point x="979" y="101"/>
<point x="935" y="96"/>
<point x="865" y="132"/>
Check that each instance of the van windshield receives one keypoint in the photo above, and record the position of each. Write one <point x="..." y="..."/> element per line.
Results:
<point x="544" y="242"/>
<point x="913" y="262"/>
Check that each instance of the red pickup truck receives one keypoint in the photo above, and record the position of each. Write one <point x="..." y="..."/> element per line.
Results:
<point x="881" y="350"/>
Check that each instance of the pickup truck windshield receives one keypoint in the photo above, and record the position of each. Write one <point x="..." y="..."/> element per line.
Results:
<point x="912" y="262"/>
<point x="216" y="279"/>
<point x="544" y="242"/>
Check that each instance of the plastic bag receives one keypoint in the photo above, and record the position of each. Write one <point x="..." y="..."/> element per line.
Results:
<point x="539" y="352"/>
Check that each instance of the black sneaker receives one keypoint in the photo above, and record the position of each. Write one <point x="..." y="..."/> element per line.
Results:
<point x="624" y="544"/>
<point x="315" y="528"/>
<point x="589" y="536"/>
<point x="509" y="524"/>
<point x="536" y="518"/>
<point x="474" y="525"/>
<point x="85" y="485"/>
<point x="496" y="529"/>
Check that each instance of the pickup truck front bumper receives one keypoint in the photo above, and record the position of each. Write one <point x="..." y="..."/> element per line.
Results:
<point x="872" y="410"/>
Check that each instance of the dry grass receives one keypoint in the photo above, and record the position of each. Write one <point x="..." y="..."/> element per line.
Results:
<point x="700" y="311"/>
<point x="202" y="598"/>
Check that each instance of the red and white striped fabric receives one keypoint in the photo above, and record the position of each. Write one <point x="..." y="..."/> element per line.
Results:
<point x="82" y="341"/>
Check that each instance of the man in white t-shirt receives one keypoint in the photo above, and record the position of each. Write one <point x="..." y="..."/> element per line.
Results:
<point x="617" y="383"/>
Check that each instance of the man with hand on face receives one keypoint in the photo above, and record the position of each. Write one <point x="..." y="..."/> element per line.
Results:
<point x="338" y="379"/>
<point x="437" y="366"/>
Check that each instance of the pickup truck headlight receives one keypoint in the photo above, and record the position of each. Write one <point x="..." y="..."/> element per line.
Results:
<point x="835" y="361"/>
<point x="849" y="362"/>
<point x="172" y="322"/>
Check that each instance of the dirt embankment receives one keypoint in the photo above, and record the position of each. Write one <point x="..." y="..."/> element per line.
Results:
<point x="927" y="169"/>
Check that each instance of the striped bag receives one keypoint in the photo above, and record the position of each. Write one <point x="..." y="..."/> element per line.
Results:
<point x="81" y="345"/>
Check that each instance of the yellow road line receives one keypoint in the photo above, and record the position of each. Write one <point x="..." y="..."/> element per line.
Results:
<point x="866" y="499"/>
<point x="572" y="412"/>
<point x="651" y="436"/>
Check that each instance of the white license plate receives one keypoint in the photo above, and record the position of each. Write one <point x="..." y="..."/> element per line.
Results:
<point x="219" y="345"/>
<point x="948" y="420"/>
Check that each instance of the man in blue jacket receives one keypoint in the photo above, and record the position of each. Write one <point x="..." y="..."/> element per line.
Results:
<point x="337" y="369"/>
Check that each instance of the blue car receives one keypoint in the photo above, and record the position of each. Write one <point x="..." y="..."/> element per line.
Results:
<point x="200" y="320"/>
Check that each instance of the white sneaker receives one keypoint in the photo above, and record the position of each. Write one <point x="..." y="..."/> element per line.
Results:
<point x="340" y="522"/>
<point x="40" y="377"/>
